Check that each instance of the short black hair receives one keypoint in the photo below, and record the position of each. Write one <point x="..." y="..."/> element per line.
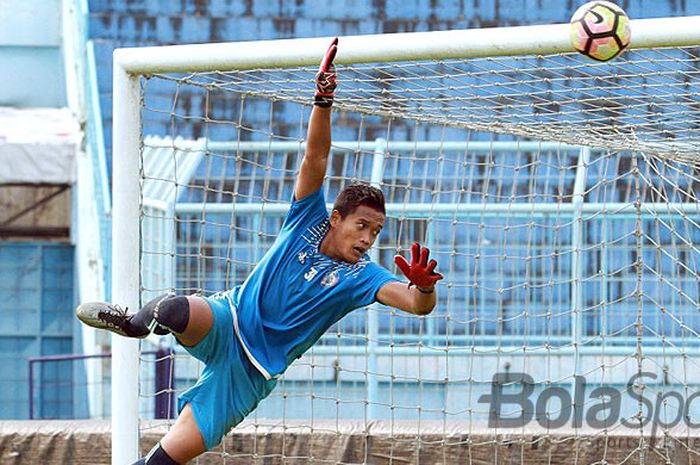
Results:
<point x="356" y="194"/>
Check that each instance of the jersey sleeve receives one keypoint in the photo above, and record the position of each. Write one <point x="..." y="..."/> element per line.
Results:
<point x="311" y="209"/>
<point x="372" y="279"/>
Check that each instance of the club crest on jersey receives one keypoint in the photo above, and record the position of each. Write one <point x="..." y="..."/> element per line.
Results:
<point x="309" y="275"/>
<point x="302" y="257"/>
<point x="330" y="279"/>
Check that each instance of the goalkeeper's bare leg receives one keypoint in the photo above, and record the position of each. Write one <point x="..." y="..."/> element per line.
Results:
<point x="182" y="442"/>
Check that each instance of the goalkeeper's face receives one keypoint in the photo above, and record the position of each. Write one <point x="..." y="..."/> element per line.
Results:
<point x="353" y="235"/>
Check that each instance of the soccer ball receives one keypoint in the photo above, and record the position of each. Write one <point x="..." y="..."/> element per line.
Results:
<point x="600" y="30"/>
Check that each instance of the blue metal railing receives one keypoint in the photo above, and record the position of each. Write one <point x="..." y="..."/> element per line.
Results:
<point x="64" y="386"/>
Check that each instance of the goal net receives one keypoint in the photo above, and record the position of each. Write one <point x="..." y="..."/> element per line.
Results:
<point x="558" y="195"/>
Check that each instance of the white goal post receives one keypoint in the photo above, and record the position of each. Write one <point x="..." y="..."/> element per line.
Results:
<point x="131" y="64"/>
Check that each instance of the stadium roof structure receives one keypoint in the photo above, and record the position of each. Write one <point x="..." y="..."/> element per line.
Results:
<point x="169" y="164"/>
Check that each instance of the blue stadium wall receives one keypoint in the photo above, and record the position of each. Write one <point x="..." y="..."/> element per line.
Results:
<point x="36" y="304"/>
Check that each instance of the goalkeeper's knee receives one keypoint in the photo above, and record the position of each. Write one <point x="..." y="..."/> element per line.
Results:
<point x="164" y="314"/>
<point x="173" y="313"/>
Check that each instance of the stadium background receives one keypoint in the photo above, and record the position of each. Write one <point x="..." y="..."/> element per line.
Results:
<point x="39" y="261"/>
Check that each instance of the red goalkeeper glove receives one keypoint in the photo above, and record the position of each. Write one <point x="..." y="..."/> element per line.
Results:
<point x="326" y="78"/>
<point x="420" y="271"/>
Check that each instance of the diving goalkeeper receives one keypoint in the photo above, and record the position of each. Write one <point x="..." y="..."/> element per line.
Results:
<point x="316" y="272"/>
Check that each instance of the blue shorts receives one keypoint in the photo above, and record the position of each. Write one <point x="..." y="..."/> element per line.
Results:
<point x="229" y="387"/>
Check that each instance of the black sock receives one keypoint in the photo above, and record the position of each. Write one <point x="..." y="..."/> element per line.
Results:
<point x="157" y="456"/>
<point x="162" y="315"/>
<point x="142" y="321"/>
<point x="138" y="322"/>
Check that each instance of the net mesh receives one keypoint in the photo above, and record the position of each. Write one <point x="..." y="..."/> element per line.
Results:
<point x="644" y="102"/>
<point x="559" y="197"/>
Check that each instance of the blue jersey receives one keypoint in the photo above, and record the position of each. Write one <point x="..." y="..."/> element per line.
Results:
<point x="295" y="293"/>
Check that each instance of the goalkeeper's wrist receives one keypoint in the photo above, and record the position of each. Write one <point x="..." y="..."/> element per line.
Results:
<point x="323" y="101"/>
<point x="426" y="290"/>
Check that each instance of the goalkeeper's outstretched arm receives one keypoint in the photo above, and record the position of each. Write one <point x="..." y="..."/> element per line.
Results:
<point x="318" y="139"/>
